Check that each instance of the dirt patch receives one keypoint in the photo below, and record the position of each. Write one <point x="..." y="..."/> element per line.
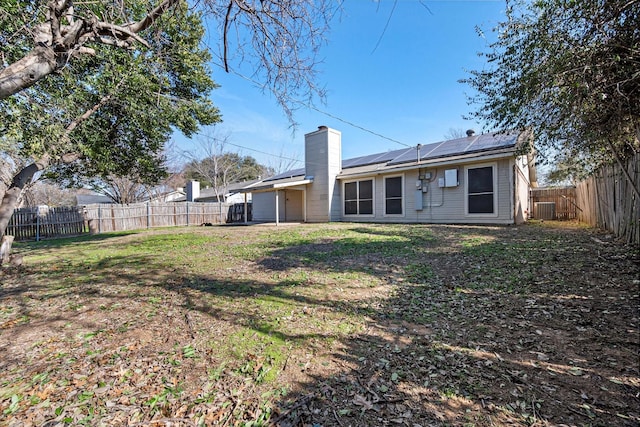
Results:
<point x="454" y="325"/>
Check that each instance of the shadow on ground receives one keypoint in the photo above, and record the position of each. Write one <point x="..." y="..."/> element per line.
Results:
<point x="370" y="325"/>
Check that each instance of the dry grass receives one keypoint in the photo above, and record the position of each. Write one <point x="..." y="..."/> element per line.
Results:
<point x="332" y="325"/>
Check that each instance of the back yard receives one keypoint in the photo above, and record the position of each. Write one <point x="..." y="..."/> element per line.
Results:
<point x="323" y="325"/>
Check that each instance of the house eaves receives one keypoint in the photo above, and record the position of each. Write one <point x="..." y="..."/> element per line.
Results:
<point x="264" y="186"/>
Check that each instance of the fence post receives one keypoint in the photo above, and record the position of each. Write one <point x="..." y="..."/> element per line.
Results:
<point x="37" y="223"/>
<point x="188" y="214"/>
<point x="148" y="216"/>
<point x="99" y="219"/>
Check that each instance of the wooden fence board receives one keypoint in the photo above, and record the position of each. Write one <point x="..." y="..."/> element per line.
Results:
<point x="564" y="199"/>
<point x="608" y="201"/>
<point x="106" y="218"/>
<point x="34" y="223"/>
<point x="37" y="223"/>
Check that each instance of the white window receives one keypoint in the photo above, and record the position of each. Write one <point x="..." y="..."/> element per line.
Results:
<point x="480" y="187"/>
<point x="358" y="197"/>
<point x="393" y="192"/>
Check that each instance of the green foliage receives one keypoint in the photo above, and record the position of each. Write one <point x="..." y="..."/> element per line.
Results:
<point x="126" y="103"/>
<point x="569" y="71"/>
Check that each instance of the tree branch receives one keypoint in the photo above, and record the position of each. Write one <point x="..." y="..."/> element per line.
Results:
<point x="153" y="16"/>
<point x="225" y="35"/>
<point x="57" y="42"/>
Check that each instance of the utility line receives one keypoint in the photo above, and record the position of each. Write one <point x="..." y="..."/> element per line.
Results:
<point x="252" y="149"/>
<point x="312" y="107"/>
<point x="264" y="152"/>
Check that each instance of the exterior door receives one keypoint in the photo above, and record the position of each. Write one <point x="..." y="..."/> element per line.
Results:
<point x="293" y="206"/>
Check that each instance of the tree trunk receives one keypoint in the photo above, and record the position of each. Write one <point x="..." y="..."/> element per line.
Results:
<point x="5" y="249"/>
<point x="12" y="195"/>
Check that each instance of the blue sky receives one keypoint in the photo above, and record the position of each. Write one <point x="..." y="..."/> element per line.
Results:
<point x="405" y="89"/>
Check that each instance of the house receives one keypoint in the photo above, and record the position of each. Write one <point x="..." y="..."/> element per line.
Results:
<point x="84" y="199"/>
<point x="157" y="195"/>
<point x="478" y="179"/>
<point x="232" y="193"/>
<point x="162" y="195"/>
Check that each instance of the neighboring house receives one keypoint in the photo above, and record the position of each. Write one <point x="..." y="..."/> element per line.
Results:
<point x="90" y="199"/>
<point x="165" y="196"/>
<point x="158" y="197"/>
<point x="479" y="179"/>
<point x="232" y="195"/>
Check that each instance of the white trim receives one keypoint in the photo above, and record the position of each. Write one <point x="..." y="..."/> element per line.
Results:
<point x="384" y="196"/>
<point x="494" y="171"/>
<point x="265" y="188"/>
<point x="373" y="198"/>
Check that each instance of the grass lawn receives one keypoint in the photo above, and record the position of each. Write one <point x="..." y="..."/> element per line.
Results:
<point x="323" y="325"/>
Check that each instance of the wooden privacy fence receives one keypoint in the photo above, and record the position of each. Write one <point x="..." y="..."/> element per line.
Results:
<point x="608" y="200"/>
<point x="554" y="203"/>
<point x="43" y="222"/>
<point x="104" y="218"/>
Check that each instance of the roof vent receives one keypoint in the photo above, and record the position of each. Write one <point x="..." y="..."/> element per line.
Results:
<point x="323" y="127"/>
<point x="471" y="132"/>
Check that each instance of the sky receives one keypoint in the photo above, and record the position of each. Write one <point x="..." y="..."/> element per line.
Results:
<point x="391" y="70"/>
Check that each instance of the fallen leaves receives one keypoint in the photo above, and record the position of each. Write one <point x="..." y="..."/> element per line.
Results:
<point x="520" y="327"/>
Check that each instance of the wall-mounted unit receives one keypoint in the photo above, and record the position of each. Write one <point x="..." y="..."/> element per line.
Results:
<point x="418" y="200"/>
<point x="451" y="178"/>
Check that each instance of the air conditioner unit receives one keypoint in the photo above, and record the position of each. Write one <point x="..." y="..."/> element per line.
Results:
<point x="544" y="210"/>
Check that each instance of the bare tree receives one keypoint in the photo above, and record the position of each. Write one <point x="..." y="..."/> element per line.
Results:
<point x="278" y="40"/>
<point x="285" y="161"/>
<point x="50" y="194"/>
<point x="455" y="133"/>
<point x="122" y="189"/>
<point x="213" y="165"/>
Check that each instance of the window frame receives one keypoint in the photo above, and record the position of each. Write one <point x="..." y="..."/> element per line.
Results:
<point x="494" y="192"/>
<point x="402" y="196"/>
<point x="358" y="200"/>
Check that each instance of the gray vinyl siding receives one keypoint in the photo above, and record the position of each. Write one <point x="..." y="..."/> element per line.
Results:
<point x="263" y="206"/>
<point x="444" y="205"/>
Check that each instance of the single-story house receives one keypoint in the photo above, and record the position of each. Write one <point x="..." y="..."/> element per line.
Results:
<point x="169" y="195"/>
<point x="478" y="179"/>
<point x="232" y="193"/>
<point x="157" y="196"/>
<point x="83" y="199"/>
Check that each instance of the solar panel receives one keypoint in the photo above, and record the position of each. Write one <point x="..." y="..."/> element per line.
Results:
<point x="373" y="158"/>
<point x="459" y="146"/>
<point x="448" y="148"/>
<point x="287" y="174"/>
